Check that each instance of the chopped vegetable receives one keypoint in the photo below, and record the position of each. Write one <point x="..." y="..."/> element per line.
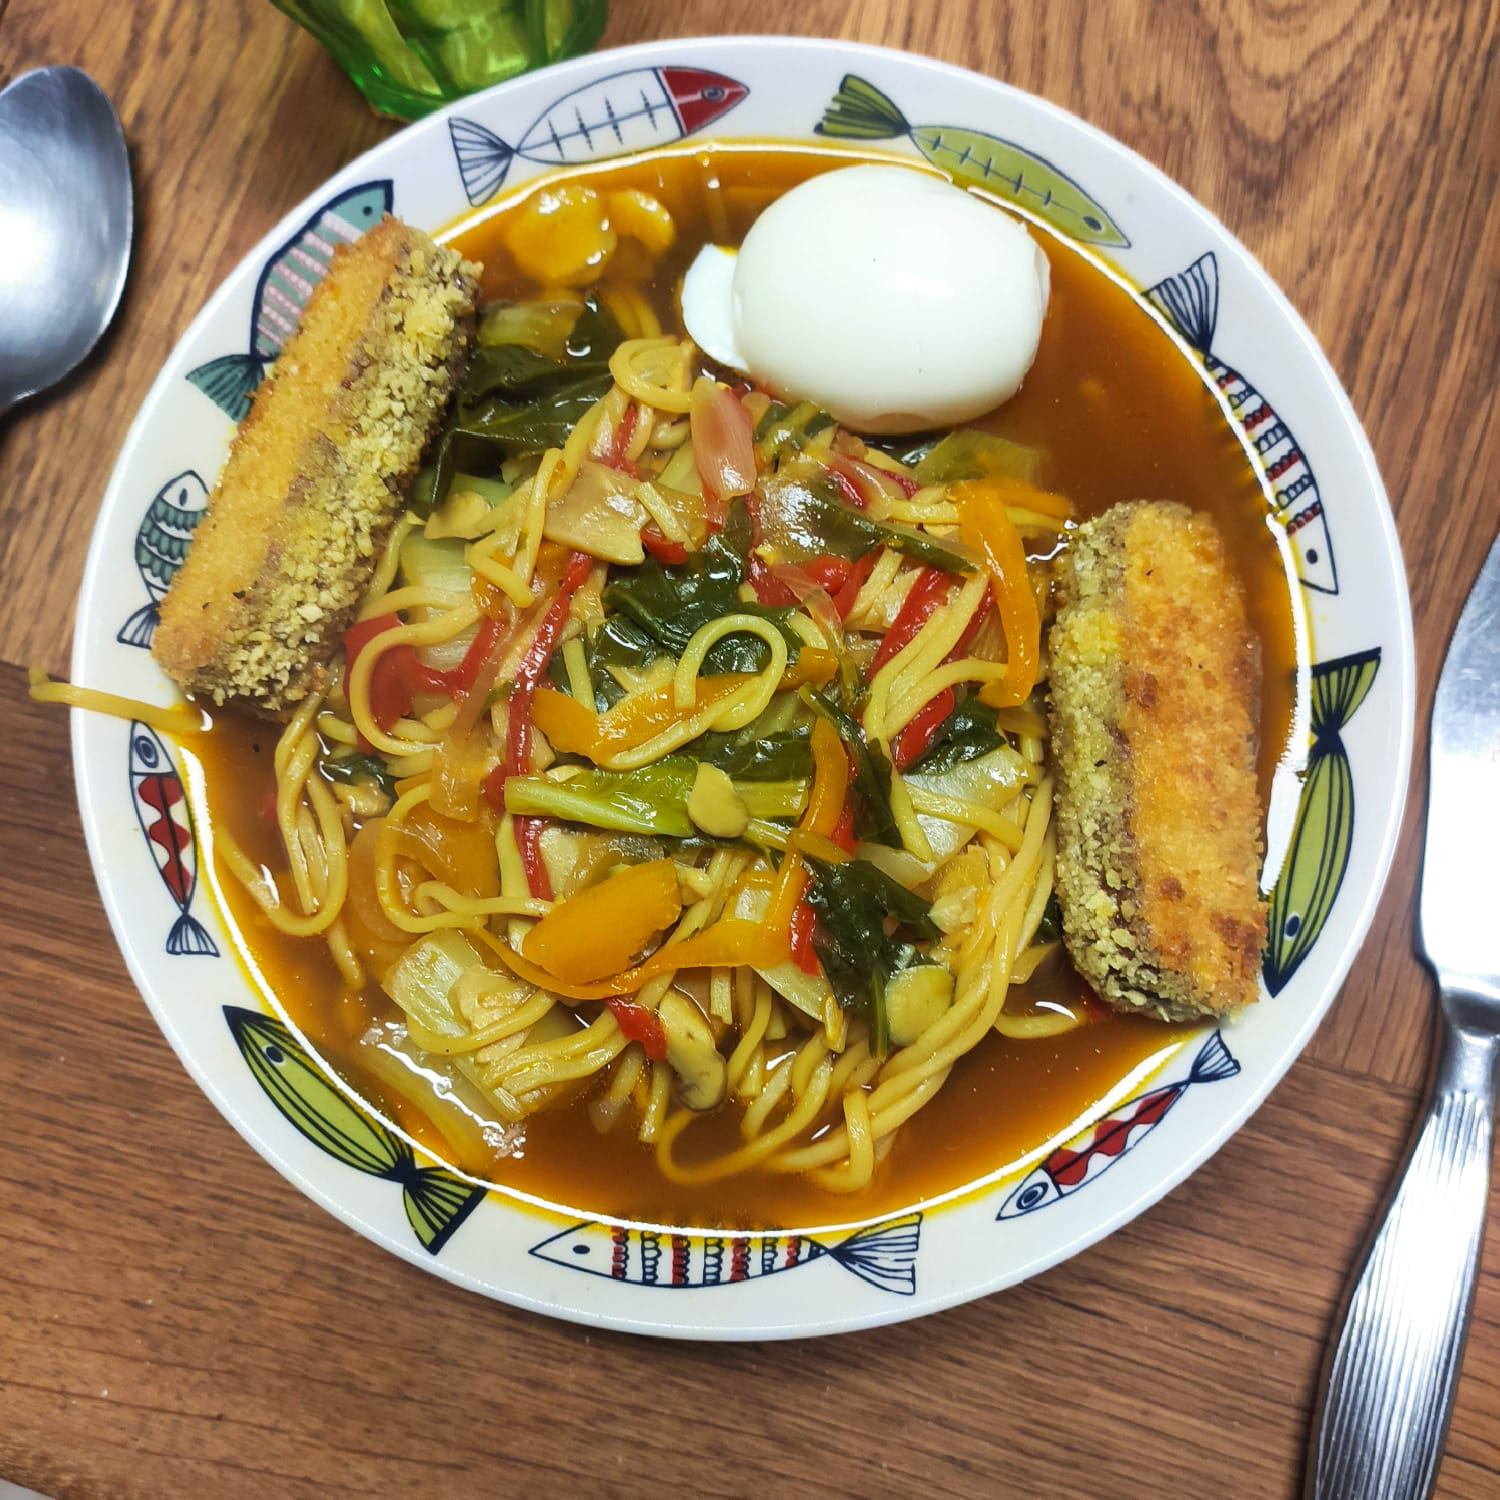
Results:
<point x="599" y="515"/>
<point x="398" y="676"/>
<point x="965" y="734"/>
<point x="785" y="427"/>
<point x="359" y="767"/>
<point x="985" y="526"/>
<point x="923" y="600"/>
<point x="702" y="1075"/>
<point x="785" y="755"/>
<point x="543" y="325"/>
<point x="854" y="901"/>
<point x="872" y="771"/>
<point x="652" y="800"/>
<point x="803" y="518"/>
<point x="915" y="998"/>
<point x="723" y="445"/>
<point x="972" y="454"/>
<point x="601" y="929"/>
<point x="715" y="806"/>
<point x="670" y="604"/>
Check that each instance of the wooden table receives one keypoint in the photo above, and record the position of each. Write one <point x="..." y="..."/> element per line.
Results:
<point x="177" y="1320"/>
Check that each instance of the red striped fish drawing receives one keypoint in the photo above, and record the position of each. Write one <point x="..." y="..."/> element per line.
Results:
<point x="161" y="808"/>
<point x="624" y="112"/>
<point x="1099" y="1148"/>
<point x="884" y="1255"/>
<point x="1190" y="303"/>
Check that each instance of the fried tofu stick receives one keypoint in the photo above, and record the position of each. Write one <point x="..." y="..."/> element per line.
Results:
<point x="1155" y="682"/>
<point x="317" y="471"/>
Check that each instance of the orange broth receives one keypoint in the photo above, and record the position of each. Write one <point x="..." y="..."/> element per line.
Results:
<point x="1121" y="413"/>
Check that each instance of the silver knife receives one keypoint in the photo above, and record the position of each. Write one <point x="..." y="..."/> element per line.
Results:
<point x="1379" y="1429"/>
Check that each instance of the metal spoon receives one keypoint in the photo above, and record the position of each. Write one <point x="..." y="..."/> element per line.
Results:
<point x="65" y="223"/>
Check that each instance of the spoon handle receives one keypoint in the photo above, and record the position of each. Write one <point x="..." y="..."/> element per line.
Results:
<point x="1380" y="1426"/>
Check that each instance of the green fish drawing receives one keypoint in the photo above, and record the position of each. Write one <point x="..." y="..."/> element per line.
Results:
<point x="1324" y="831"/>
<point x="860" y="112"/>
<point x="161" y="543"/>
<point x="437" y="1201"/>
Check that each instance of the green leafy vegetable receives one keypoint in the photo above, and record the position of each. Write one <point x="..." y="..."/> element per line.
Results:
<point x="785" y="427"/>
<point x="966" y="734"/>
<point x="805" y="519"/>
<point x="670" y="604"/>
<point x="972" y="454"/>
<point x="855" y="902"/>
<point x="357" y="767"/>
<point x="1050" y="928"/>
<point x="872" y="771"/>
<point x="649" y="800"/>
<point x="785" y="756"/>
<point x="514" y="399"/>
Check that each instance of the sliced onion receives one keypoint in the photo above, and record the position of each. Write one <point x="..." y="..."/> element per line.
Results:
<point x="723" y="440"/>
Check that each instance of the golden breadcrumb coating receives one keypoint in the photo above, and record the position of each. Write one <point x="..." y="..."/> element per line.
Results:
<point x="317" y="470"/>
<point x="1155" y="681"/>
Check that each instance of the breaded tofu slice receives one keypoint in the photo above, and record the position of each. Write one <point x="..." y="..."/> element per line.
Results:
<point x="317" y="471"/>
<point x="1155" y="680"/>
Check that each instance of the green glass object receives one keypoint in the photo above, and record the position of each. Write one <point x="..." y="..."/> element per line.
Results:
<point x="410" y="57"/>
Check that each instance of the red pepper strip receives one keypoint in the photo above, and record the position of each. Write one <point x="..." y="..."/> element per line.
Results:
<point x="637" y="1024"/>
<point x="843" y="830"/>
<point x="517" y="760"/>
<point x="907" y="483"/>
<point x="463" y="676"/>
<point x="847" y="488"/>
<point x="769" y="589"/>
<point x="829" y="573"/>
<point x="800" y="938"/>
<point x="926" y="596"/>
<point x="912" y="742"/>
<point x="662" y="547"/>
<point x="398" y="674"/>
<point x="843" y="601"/>
<point x="620" y="445"/>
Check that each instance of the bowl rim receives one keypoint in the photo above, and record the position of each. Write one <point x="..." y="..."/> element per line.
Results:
<point x="1291" y="1041"/>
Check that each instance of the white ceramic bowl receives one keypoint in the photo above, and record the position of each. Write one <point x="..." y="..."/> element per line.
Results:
<point x="1231" y="318"/>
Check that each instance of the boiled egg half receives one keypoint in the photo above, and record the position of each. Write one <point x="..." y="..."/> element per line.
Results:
<point x="894" y="300"/>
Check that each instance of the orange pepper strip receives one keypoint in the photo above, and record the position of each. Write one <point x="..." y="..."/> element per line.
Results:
<point x="598" y="931"/>
<point x="574" y="727"/>
<point x="825" y="805"/>
<point x="984" y="525"/>
<point x="726" y="944"/>
<point x="813" y="665"/>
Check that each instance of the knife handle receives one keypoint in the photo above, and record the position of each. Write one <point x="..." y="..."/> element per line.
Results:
<point x="1379" y="1428"/>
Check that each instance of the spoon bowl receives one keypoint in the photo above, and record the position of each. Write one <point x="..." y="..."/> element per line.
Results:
<point x="65" y="226"/>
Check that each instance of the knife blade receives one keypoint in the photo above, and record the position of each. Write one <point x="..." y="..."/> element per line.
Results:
<point x="1393" y="1369"/>
<point x="1461" y="866"/>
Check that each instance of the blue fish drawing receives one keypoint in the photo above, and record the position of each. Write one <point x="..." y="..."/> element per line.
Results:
<point x="624" y="112"/>
<point x="436" y="1200"/>
<point x="285" y="284"/>
<point x="1190" y="303"/>
<point x="884" y="1255"/>
<point x="162" y="811"/>
<point x="161" y="543"/>
<point x="1086" y="1156"/>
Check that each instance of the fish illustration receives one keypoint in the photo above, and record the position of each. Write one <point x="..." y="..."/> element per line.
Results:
<point x="860" y="112"/>
<point x="884" y="1255"/>
<point x="285" y="284"/>
<point x="161" y="543"/>
<point x="161" y="808"/>
<point x="1190" y="303"/>
<point x="437" y="1201"/>
<point x="1071" y="1166"/>
<point x="624" y="112"/>
<point x="1322" y="836"/>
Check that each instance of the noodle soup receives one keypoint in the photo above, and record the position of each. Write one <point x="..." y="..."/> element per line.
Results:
<point x="778" y="1101"/>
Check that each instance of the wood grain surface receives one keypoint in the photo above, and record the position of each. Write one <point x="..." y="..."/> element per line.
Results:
<point x="176" y="1320"/>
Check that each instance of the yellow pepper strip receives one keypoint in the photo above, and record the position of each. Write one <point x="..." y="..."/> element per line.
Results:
<point x="573" y="727"/>
<point x="598" y="931"/>
<point x="724" y="945"/>
<point x="984" y="525"/>
<point x="817" y="846"/>
<point x="825" y="804"/>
